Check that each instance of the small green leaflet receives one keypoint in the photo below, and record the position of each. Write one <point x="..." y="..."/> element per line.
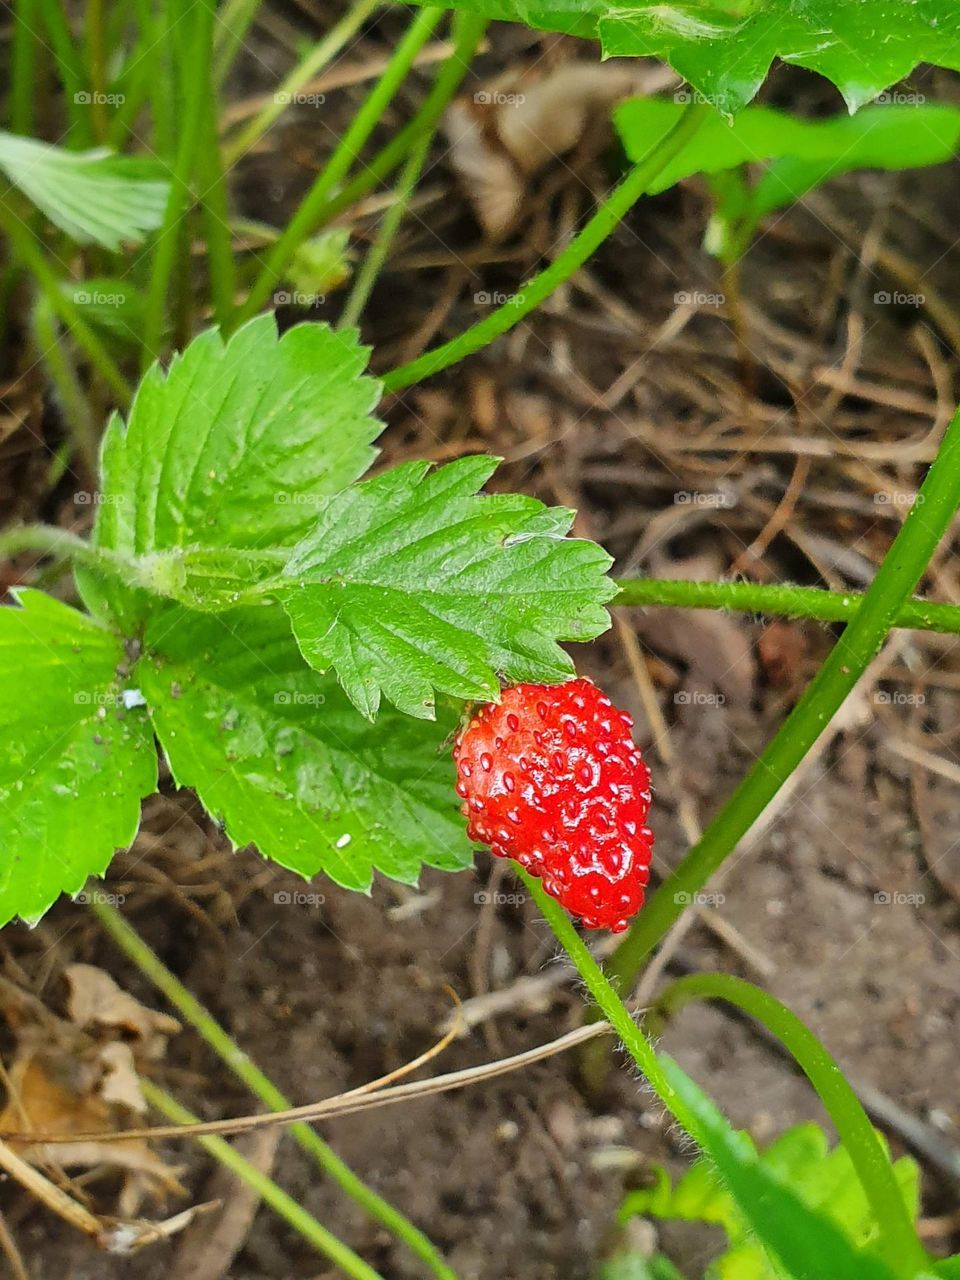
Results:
<point x="96" y="197"/>
<point x="411" y="582"/>
<point x="724" y="48"/>
<point x="77" y="759"/>
<point x="277" y="752"/>
<point x="805" y="1241"/>
<point x="884" y="137"/>
<point x="232" y="447"/>
<point x="800" y="1160"/>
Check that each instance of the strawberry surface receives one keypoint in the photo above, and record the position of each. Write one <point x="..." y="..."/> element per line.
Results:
<point x="551" y="777"/>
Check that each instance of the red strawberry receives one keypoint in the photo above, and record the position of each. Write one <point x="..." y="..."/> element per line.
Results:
<point x="551" y="777"/>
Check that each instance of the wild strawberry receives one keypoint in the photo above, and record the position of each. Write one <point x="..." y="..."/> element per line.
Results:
<point x="550" y="776"/>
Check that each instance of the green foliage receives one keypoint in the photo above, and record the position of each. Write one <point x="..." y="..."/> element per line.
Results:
<point x="231" y="481"/>
<point x="823" y="1180"/>
<point x="115" y="307"/>
<point x="232" y="447"/>
<point x="94" y="196"/>
<point x="409" y="583"/>
<point x="724" y="48"/>
<point x="277" y="752"/>
<point x="78" y="753"/>
<point x="798" y="154"/>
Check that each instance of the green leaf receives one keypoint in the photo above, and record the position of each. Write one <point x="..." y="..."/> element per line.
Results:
<point x="724" y="48"/>
<point x="806" y="1242"/>
<point x="410" y="582"/>
<point x="277" y="753"/>
<point x="825" y="1181"/>
<point x="94" y="196"/>
<point x="77" y="758"/>
<point x="634" y="1266"/>
<point x="234" y="446"/>
<point x="885" y="137"/>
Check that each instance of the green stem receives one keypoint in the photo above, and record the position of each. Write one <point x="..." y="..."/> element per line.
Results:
<point x="96" y="36"/>
<point x="233" y="23"/>
<point x="191" y="27"/>
<point x="468" y="31"/>
<point x="23" y="66"/>
<point x="374" y="261"/>
<point x="867" y="1154"/>
<point x="586" y="242"/>
<point x="287" y="1208"/>
<point x="305" y="220"/>
<point x="31" y="256"/>
<point x="785" y="601"/>
<point x="897" y="578"/>
<point x="69" y="66"/>
<point x="320" y="56"/>
<point x="76" y="409"/>
<point x="216" y="216"/>
<point x="153" y="968"/>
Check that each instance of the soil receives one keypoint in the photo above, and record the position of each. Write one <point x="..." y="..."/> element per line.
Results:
<point x="847" y="904"/>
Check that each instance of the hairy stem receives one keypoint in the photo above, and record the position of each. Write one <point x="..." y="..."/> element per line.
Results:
<point x="858" y="1136"/>
<point x="896" y="579"/>
<point x="786" y="601"/>
<point x="529" y="296"/>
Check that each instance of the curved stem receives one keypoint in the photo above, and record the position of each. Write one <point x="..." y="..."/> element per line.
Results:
<point x="318" y="57"/>
<point x="230" y="1052"/>
<point x="313" y="1231"/>
<point x="305" y="221"/>
<point x="897" y="578"/>
<point x="377" y="256"/>
<point x="858" y="1136"/>
<point x="31" y="256"/>
<point x="586" y="242"/>
<point x="191" y="48"/>
<point x="785" y="600"/>
<point x="468" y="31"/>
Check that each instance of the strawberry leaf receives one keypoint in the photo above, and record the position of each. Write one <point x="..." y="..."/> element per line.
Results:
<point x="277" y="753"/>
<point x="233" y="446"/>
<point x="78" y="753"/>
<point x="724" y="48"/>
<point x="410" y="582"/>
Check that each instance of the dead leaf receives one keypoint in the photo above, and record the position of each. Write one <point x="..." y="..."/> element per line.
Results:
<point x="514" y="127"/>
<point x="62" y="1080"/>
<point x="97" y="1002"/>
